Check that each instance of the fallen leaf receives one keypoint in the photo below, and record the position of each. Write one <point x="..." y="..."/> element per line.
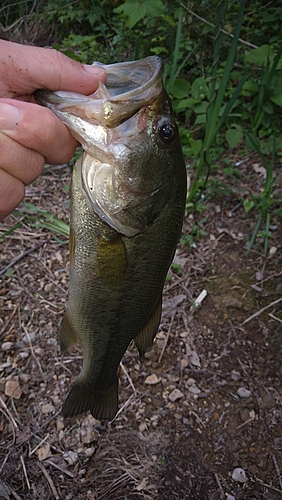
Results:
<point x="13" y="389"/>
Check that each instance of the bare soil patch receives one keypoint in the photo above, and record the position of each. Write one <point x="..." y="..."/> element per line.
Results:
<point x="200" y="418"/>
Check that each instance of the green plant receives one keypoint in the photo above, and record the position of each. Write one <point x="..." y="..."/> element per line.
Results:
<point x="41" y="219"/>
<point x="217" y="111"/>
<point x="265" y="203"/>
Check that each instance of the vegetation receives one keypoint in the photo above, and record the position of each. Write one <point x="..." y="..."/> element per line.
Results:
<point x="223" y="62"/>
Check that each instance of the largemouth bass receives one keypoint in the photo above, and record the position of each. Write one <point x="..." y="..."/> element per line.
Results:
<point x="128" y="199"/>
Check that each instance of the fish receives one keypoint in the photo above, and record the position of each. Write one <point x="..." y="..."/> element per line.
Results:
<point x="128" y="200"/>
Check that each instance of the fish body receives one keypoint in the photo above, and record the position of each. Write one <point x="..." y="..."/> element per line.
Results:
<point x="127" y="204"/>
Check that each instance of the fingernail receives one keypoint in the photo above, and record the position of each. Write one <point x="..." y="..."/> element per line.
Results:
<point x="9" y="116"/>
<point x="95" y="70"/>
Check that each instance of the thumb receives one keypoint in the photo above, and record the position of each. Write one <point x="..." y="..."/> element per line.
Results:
<point x="27" y="68"/>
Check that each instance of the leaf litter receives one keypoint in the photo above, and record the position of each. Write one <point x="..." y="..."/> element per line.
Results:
<point x="199" y="418"/>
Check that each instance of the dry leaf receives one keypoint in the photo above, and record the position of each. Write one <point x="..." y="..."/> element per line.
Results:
<point x="13" y="388"/>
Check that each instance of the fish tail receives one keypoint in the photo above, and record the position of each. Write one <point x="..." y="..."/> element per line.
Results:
<point x="82" y="397"/>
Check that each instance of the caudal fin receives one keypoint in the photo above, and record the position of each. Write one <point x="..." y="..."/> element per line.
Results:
<point x="82" y="397"/>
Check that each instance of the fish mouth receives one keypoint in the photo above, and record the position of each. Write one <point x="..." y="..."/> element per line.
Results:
<point x="129" y="86"/>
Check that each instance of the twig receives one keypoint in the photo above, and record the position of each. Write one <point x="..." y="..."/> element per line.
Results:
<point x="50" y="481"/>
<point x="15" y="495"/>
<point x="261" y="311"/>
<point x="25" y="473"/>
<point x="10" y="417"/>
<point x="166" y="339"/>
<point x="275" y="317"/>
<point x="213" y="26"/>
<point x="68" y="473"/>
<point x="4" y="461"/>
<point x="266" y="485"/>
<point x="128" y="377"/>
<point x="219" y="485"/>
<point x="33" y="354"/>
<point x="39" y="444"/>
<point x="277" y="471"/>
<point x="22" y="255"/>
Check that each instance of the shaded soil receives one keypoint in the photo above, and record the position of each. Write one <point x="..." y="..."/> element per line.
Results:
<point x="200" y="418"/>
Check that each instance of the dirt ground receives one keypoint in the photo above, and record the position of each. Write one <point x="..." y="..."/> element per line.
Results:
<point x="200" y="418"/>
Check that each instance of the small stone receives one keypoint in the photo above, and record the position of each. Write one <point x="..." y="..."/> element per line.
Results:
<point x="60" y="424"/>
<point x="6" y="346"/>
<point x="243" y="392"/>
<point x="175" y="395"/>
<point x="47" y="408"/>
<point x="28" y="338"/>
<point x="88" y="435"/>
<point x="239" y="475"/>
<point x="194" y="358"/>
<point x="70" y="457"/>
<point x="23" y="355"/>
<point x="230" y="497"/>
<point x="235" y="375"/>
<point x="272" y="251"/>
<point x="194" y="389"/>
<point x="13" y="389"/>
<point x="267" y="400"/>
<point x="89" y="452"/>
<point x="143" y="427"/>
<point x="152" y="379"/>
<point x="183" y="363"/>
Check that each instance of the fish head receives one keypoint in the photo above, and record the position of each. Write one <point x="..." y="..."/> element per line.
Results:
<point x="131" y="143"/>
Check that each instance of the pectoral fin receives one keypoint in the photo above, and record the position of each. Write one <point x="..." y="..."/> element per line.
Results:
<point x="111" y="261"/>
<point x="144" y="339"/>
<point x="67" y="334"/>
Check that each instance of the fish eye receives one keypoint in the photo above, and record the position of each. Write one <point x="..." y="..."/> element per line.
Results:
<point x="166" y="132"/>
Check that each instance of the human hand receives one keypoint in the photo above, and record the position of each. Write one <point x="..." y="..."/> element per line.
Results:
<point x="31" y="135"/>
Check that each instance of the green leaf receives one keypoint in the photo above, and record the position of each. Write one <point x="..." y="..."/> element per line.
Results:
<point x="248" y="205"/>
<point x="233" y="137"/>
<point x="277" y="99"/>
<point x="180" y="88"/>
<point x="199" y="89"/>
<point x="9" y="272"/>
<point x="201" y="119"/>
<point x="134" y="10"/>
<point x="260" y="56"/>
<point x="196" y="146"/>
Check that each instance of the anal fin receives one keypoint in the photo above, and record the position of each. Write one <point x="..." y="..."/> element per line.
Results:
<point x="67" y="334"/>
<point x="144" y="339"/>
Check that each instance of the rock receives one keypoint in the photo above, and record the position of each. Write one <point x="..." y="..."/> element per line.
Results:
<point x="267" y="400"/>
<point x="194" y="358"/>
<point x="13" y="389"/>
<point x="235" y="375"/>
<point x="239" y="475"/>
<point x="243" y="392"/>
<point x="152" y="379"/>
<point x="6" y="346"/>
<point x="47" y="408"/>
<point x="175" y="395"/>
<point x="70" y="457"/>
<point x="28" y="338"/>
<point x="194" y="389"/>
<point x="89" y="451"/>
<point x="88" y="435"/>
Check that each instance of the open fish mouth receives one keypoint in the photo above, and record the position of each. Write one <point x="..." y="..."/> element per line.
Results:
<point x="129" y="86"/>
